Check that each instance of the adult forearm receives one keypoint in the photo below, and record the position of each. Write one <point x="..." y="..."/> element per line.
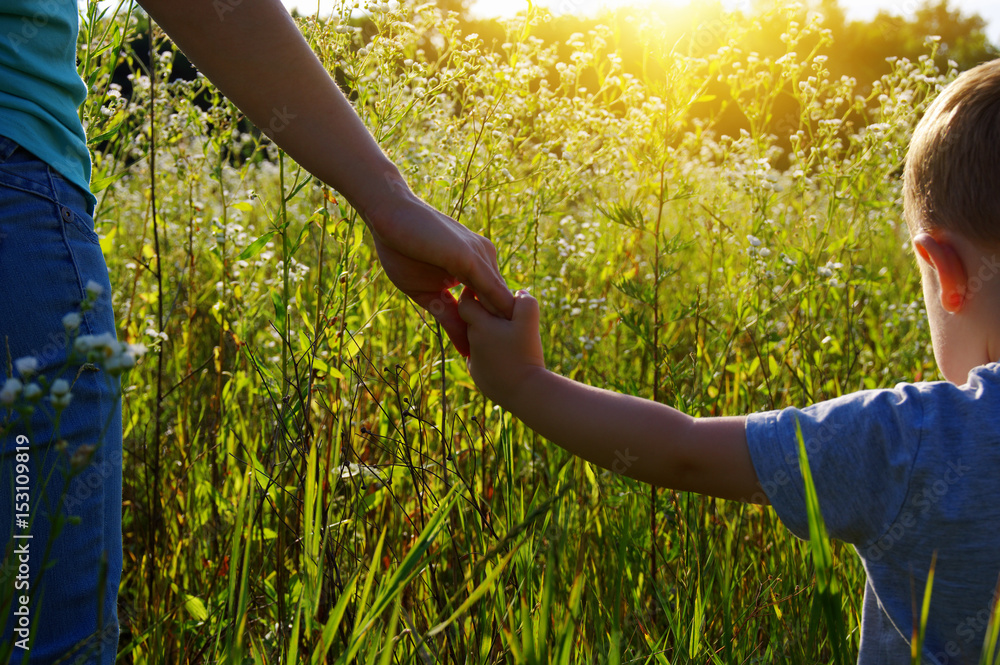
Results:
<point x="254" y="53"/>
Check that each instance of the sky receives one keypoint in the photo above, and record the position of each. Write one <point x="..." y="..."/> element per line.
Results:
<point x="855" y="9"/>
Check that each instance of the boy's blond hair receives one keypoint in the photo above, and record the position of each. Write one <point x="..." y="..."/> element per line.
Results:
<point x="952" y="175"/>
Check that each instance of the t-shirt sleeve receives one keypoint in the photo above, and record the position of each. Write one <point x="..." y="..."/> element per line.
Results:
<point x="861" y="449"/>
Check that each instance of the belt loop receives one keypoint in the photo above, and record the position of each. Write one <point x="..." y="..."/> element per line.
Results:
<point x="7" y="148"/>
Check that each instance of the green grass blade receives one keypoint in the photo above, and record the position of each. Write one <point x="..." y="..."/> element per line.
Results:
<point x="827" y="600"/>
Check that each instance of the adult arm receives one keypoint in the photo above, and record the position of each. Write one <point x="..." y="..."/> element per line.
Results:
<point x="255" y="54"/>
<point x="636" y="437"/>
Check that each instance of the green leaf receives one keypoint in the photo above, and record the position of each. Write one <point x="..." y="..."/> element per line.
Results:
<point x="111" y="131"/>
<point x="254" y="248"/>
<point x="101" y="183"/>
<point x="195" y="607"/>
<point x="279" y="310"/>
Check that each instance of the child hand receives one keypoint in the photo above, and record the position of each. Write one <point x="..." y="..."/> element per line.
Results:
<point x="503" y="353"/>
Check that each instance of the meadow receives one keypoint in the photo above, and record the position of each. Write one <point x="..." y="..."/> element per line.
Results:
<point x="310" y="474"/>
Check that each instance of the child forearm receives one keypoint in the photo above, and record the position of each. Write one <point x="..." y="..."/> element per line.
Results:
<point x="639" y="438"/>
<point x="629" y="435"/>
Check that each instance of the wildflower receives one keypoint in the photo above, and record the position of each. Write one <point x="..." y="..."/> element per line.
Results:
<point x="764" y="252"/>
<point x="59" y="394"/>
<point x="60" y="402"/>
<point x="754" y="240"/>
<point x="71" y="321"/>
<point x="26" y="366"/>
<point x="94" y="290"/>
<point x="32" y="392"/>
<point x="100" y="346"/>
<point x="81" y="457"/>
<point x="11" y="389"/>
<point x="824" y="271"/>
<point x="60" y="387"/>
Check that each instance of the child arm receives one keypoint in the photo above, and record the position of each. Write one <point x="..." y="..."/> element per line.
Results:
<point x="639" y="438"/>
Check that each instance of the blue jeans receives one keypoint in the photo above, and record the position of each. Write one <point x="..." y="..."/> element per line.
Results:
<point x="62" y="581"/>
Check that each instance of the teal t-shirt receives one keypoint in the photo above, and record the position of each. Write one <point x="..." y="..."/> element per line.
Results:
<point x="40" y="89"/>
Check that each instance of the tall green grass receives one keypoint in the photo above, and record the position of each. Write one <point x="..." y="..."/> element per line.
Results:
<point x="311" y="475"/>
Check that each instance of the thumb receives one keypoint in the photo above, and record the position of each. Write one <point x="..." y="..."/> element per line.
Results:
<point x="525" y="309"/>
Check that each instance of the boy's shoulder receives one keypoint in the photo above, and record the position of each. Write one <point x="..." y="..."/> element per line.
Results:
<point x="877" y="447"/>
<point x="930" y="404"/>
<point x="968" y="410"/>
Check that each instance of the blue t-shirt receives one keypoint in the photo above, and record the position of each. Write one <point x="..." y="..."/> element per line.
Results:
<point x="40" y="89"/>
<point x="901" y="474"/>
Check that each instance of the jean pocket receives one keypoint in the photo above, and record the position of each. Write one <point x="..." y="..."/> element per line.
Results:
<point x="81" y="222"/>
<point x="73" y="208"/>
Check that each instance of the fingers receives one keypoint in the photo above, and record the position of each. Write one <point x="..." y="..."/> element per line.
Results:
<point x="456" y="329"/>
<point x="495" y="296"/>
<point x="484" y="277"/>
<point x="443" y="307"/>
<point x="470" y="309"/>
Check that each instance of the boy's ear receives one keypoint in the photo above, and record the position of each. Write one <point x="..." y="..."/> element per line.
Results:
<point x="940" y="254"/>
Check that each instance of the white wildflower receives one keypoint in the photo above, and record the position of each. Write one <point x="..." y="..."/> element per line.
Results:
<point x="32" y="391"/>
<point x="11" y="389"/>
<point x="754" y="240"/>
<point x="59" y="388"/>
<point x="60" y="402"/>
<point x="97" y="347"/>
<point x="26" y="366"/>
<point x="94" y="290"/>
<point x="71" y="321"/>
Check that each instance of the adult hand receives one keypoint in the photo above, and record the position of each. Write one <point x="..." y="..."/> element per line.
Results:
<point x="425" y="253"/>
